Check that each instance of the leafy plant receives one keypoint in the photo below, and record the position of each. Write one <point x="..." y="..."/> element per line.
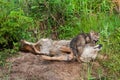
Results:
<point x="14" y="24"/>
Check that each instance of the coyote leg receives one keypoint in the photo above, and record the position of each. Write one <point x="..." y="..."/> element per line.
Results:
<point x="67" y="57"/>
<point x="35" y="50"/>
<point x="65" y="49"/>
<point x="32" y="47"/>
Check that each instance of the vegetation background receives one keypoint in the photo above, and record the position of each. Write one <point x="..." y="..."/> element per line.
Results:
<point x="61" y="19"/>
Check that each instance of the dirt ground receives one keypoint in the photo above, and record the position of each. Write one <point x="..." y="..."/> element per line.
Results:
<point x="28" y="66"/>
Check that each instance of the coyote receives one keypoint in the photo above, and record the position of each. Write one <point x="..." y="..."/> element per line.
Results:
<point x="89" y="54"/>
<point x="81" y="40"/>
<point x="60" y="50"/>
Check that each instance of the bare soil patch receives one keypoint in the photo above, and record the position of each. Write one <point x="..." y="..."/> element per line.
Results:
<point x="28" y="66"/>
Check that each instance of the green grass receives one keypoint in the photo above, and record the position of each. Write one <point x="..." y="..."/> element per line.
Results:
<point x="66" y="17"/>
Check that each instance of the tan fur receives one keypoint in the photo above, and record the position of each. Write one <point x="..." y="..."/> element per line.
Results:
<point x="56" y="50"/>
<point x="65" y="49"/>
<point x="63" y="57"/>
<point x="117" y="5"/>
<point x="89" y="53"/>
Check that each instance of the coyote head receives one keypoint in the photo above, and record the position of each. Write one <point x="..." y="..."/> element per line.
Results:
<point x="94" y="36"/>
<point x="90" y="52"/>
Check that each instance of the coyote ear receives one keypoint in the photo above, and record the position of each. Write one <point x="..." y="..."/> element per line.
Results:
<point x="91" y="33"/>
<point x="87" y="39"/>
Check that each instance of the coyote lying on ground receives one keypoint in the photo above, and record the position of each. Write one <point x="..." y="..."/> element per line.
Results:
<point x="59" y="50"/>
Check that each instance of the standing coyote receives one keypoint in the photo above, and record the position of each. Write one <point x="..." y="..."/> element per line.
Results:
<point x="78" y="43"/>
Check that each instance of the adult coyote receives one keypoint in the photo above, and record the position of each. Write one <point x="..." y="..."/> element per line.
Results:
<point x="60" y="50"/>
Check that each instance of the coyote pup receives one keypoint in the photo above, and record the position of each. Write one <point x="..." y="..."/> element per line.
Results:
<point x="78" y="43"/>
